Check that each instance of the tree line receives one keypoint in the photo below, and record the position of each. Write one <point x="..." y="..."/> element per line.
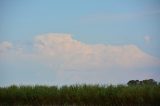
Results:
<point x="143" y="82"/>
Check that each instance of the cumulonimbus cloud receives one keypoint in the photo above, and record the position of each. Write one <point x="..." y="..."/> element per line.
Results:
<point x="62" y="52"/>
<point x="73" y="54"/>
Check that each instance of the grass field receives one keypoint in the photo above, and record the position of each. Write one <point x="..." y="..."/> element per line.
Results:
<point x="120" y="95"/>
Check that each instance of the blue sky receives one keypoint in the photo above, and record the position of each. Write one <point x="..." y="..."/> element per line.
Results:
<point x="92" y="22"/>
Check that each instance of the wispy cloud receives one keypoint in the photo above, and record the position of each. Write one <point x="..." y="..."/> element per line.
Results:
<point x="147" y="38"/>
<point x="119" y="16"/>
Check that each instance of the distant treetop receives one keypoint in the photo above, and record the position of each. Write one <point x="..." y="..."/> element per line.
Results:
<point x="143" y="82"/>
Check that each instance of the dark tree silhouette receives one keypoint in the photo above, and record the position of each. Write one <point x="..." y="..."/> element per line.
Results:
<point x="133" y="82"/>
<point x="143" y="82"/>
<point x="149" y="82"/>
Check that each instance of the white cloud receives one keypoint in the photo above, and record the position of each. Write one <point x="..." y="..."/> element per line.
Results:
<point x="62" y="52"/>
<point x="75" y="55"/>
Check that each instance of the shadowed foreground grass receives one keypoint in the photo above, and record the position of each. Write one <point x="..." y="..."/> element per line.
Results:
<point x="120" y="95"/>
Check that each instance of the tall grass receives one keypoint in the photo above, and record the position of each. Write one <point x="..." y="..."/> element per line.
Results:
<point x="119" y="95"/>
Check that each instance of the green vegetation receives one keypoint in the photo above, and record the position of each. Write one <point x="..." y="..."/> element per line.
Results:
<point x="120" y="95"/>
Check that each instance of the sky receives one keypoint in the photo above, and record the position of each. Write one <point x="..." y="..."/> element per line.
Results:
<point x="59" y="42"/>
